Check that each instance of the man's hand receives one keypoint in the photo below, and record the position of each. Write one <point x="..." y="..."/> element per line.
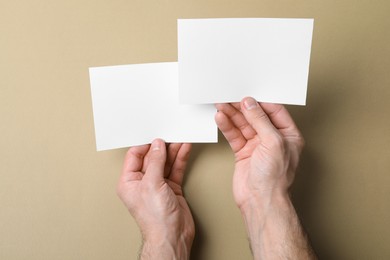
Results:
<point x="151" y="188"/>
<point x="267" y="145"/>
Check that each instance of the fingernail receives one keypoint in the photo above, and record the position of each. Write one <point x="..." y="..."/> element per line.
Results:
<point x="155" y="145"/>
<point x="250" y="103"/>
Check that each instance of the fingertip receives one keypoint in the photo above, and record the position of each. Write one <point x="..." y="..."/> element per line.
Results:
<point x="219" y="106"/>
<point x="256" y="116"/>
<point x="186" y="148"/>
<point x="134" y="157"/>
<point x="156" y="162"/>
<point x="219" y="118"/>
<point x="249" y="103"/>
<point x="157" y="145"/>
<point x="158" y="150"/>
<point x="139" y="149"/>
<point x="271" y="108"/>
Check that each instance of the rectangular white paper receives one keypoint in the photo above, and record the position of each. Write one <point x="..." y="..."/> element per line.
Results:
<point x="224" y="60"/>
<point x="134" y="104"/>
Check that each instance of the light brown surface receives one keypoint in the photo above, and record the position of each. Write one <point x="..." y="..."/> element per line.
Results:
<point x="57" y="194"/>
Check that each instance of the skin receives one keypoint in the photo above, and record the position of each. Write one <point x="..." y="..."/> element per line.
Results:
<point x="266" y="144"/>
<point x="151" y="188"/>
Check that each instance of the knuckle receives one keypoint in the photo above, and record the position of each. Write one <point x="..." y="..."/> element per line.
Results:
<point x="276" y="142"/>
<point x="159" y="160"/>
<point x="260" y="115"/>
<point x="156" y="156"/>
<point x="299" y="141"/>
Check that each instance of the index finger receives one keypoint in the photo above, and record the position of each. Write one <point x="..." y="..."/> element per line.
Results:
<point x="281" y="119"/>
<point x="180" y="163"/>
<point x="134" y="158"/>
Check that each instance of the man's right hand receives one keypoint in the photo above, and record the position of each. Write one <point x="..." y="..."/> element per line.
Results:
<point x="267" y="145"/>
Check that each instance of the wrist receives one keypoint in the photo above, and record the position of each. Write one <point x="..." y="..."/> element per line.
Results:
<point x="166" y="247"/>
<point x="261" y="204"/>
<point x="271" y="223"/>
<point x="260" y="213"/>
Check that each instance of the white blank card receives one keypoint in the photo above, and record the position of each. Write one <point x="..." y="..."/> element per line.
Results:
<point x="224" y="60"/>
<point x="134" y="104"/>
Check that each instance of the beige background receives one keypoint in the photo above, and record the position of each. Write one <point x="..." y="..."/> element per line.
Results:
<point x="57" y="194"/>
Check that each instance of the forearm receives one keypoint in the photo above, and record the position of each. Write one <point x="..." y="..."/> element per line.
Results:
<point x="274" y="230"/>
<point x="178" y="249"/>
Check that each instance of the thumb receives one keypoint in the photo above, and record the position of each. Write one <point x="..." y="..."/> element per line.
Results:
<point x="155" y="168"/>
<point x="257" y="118"/>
